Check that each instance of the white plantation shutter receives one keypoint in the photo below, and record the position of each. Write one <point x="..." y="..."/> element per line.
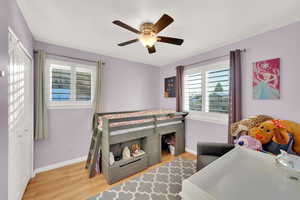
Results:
<point x="206" y="91"/>
<point x="60" y="84"/>
<point x="193" y="92"/>
<point x="70" y="83"/>
<point x="217" y="90"/>
<point x="83" y="86"/>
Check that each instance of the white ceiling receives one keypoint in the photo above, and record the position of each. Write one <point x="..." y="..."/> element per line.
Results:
<point x="203" y="24"/>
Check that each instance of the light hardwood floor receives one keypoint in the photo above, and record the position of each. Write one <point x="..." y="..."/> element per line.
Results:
<point x="72" y="182"/>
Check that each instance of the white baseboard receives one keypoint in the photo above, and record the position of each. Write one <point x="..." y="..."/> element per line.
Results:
<point x="59" y="164"/>
<point x="77" y="160"/>
<point x="190" y="151"/>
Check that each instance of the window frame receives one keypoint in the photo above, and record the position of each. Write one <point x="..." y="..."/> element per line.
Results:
<point x="204" y="115"/>
<point x="73" y="66"/>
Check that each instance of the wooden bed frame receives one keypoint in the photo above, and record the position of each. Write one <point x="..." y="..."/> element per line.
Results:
<point x="149" y="139"/>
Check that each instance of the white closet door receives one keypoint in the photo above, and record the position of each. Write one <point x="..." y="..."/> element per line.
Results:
<point x="20" y="119"/>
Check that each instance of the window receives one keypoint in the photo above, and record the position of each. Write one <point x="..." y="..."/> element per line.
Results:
<point x="83" y="86"/>
<point x="217" y="90"/>
<point x="69" y="84"/>
<point x="206" y="91"/>
<point x="193" y="92"/>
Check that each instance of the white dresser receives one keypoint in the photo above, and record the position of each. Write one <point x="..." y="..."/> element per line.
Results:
<point x="241" y="174"/>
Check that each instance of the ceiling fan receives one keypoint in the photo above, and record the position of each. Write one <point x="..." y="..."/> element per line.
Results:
<point x="148" y="33"/>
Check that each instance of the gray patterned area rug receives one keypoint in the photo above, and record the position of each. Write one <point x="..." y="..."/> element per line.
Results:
<point x="162" y="183"/>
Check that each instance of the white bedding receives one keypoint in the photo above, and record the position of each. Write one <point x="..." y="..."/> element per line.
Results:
<point x="128" y="130"/>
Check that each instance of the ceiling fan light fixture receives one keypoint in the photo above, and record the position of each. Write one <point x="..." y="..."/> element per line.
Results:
<point x="148" y="40"/>
<point x="147" y="33"/>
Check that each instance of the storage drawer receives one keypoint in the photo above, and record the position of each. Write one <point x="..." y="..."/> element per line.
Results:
<point x="121" y="169"/>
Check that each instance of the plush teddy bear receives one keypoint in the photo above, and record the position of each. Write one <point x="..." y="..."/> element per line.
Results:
<point x="242" y="127"/>
<point x="278" y="134"/>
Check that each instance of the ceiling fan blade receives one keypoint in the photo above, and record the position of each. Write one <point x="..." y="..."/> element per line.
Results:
<point x="170" y="40"/>
<point x="151" y="49"/>
<point x="123" y="25"/>
<point x="128" y="42"/>
<point x="162" y="23"/>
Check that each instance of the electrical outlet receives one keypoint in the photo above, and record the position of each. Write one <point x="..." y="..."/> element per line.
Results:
<point x="2" y="73"/>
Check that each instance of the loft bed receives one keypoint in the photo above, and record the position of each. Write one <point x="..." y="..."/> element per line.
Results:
<point x="117" y="130"/>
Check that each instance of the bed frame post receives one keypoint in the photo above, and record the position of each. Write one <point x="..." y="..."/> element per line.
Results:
<point x="105" y="148"/>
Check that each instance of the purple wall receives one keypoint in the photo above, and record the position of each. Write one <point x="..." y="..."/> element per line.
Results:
<point x="283" y="43"/>
<point x="10" y="16"/>
<point x="3" y="100"/>
<point x="127" y="86"/>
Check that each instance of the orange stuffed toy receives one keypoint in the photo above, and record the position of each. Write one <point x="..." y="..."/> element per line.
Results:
<point x="282" y="132"/>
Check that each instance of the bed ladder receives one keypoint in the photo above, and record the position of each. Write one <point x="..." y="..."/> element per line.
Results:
<point x="93" y="153"/>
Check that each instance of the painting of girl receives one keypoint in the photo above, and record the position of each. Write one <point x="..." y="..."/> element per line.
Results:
<point x="266" y="79"/>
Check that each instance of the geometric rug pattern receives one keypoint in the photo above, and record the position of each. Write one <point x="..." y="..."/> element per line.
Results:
<point x="162" y="183"/>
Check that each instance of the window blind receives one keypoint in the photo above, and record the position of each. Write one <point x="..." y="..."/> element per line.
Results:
<point x="83" y="86"/>
<point x="217" y="90"/>
<point x="70" y="84"/>
<point x="61" y="85"/>
<point x="192" y="92"/>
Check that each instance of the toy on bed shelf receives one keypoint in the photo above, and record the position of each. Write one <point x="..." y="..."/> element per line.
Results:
<point x="170" y="140"/>
<point x="126" y="153"/>
<point x="276" y="135"/>
<point x="111" y="158"/>
<point x="242" y="127"/>
<point x="249" y="142"/>
<point x="136" y="150"/>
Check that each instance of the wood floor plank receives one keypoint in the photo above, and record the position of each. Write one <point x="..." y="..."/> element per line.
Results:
<point x="72" y="183"/>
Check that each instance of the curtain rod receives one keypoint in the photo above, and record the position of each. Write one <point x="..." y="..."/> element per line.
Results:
<point x="214" y="58"/>
<point x="70" y="57"/>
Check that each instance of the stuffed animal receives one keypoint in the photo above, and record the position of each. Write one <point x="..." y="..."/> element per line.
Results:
<point x="276" y="135"/>
<point x="249" y="142"/>
<point x="135" y="148"/>
<point x="111" y="158"/>
<point x="126" y="153"/>
<point x="243" y="126"/>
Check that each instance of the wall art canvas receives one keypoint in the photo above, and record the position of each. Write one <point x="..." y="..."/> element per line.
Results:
<point x="266" y="79"/>
<point x="170" y="84"/>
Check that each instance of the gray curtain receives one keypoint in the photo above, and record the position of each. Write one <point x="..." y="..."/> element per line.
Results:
<point x="235" y="107"/>
<point x="179" y="89"/>
<point x="40" y="101"/>
<point x="98" y="98"/>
